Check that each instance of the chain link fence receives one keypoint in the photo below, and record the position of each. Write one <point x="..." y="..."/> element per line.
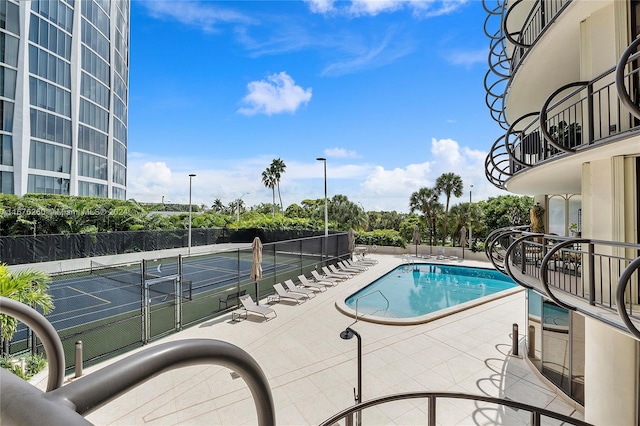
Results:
<point x="118" y="307"/>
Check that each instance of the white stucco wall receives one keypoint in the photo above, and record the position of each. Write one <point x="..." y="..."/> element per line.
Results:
<point x="610" y="375"/>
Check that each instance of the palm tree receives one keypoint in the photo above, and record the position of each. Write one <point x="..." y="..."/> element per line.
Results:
<point x="277" y="169"/>
<point x="217" y="206"/>
<point x="448" y="184"/>
<point x="28" y="287"/>
<point x="269" y="180"/>
<point x="425" y="200"/>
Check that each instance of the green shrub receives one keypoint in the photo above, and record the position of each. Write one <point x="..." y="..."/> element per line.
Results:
<point x="33" y="365"/>
<point x="381" y="237"/>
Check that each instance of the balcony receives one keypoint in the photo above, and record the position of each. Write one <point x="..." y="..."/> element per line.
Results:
<point x="596" y="278"/>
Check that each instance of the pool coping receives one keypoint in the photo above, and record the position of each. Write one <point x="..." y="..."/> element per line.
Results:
<point x="422" y="319"/>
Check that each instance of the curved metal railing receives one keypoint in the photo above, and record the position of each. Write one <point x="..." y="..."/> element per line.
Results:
<point x="582" y="118"/>
<point x="598" y="278"/>
<point x="536" y="414"/>
<point x="497" y="243"/>
<point x="497" y="77"/>
<point x="627" y="56"/>
<point x="622" y="299"/>
<point x="23" y="404"/>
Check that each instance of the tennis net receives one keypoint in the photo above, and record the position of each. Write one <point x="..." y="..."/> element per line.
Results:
<point x="131" y="274"/>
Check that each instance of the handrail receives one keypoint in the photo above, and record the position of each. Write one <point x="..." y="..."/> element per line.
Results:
<point x="620" y="87"/>
<point x="620" y="291"/>
<point x="544" y="269"/>
<point x="369" y="294"/>
<point x="432" y="397"/>
<point x="89" y="392"/>
<point x="510" y="250"/>
<point x="47" y="334"/>
<point x="581" y="285"/>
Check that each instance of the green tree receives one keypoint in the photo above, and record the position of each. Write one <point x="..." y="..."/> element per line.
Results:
<point x="504" y="211"/>
<point x="345" y="213"/>
<point x="28" y="287"/>
<point x="277" y="169"/>
<point x="217" y="206"/>
<point x="425" y="200"/>
<point x="448" y="184"/>
<point x="269" y="180"/>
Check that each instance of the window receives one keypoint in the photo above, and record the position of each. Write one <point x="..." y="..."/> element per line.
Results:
<point x="49" y="66"/>
<point x="6" y="182"/>
<point x="118" y="193"/>
<point x="119" y="174"/>
<point x="90" y="189"/>
<point x="92" y="89"/>
<point x="46" y="156"/>
<point x="6" y="150"/>
<point x="50" y="127"/>
<point x="9" y="17"/>
<point x="92" y="166"/>
<point x="92" y="140"/>
<point x="48" y="96"/>
<point x="6" y="116"/>
<point x="47" y="185"/>
<point x="8" y="83"/>
<point x="8" y="49"/>
<point x="93" y="115"/>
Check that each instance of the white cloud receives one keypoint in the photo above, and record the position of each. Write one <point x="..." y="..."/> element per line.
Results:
<point x="467" y="58"/>
<point x="420" y="8"/>
<point x="320" y="6"/>
<point x="277" y="94"/>
<point x="374" y="186"/>
<point x="376" y="56"/>
<point x="205" y="16"/>
<point x="340" y="153"/>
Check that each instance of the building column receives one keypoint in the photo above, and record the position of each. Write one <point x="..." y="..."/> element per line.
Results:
<point x="611" y="376"/>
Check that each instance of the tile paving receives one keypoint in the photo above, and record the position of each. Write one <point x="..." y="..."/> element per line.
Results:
<point x="312" y="371"/>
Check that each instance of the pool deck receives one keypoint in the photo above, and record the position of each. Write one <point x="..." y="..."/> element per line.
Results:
<point x="312" y="371"/>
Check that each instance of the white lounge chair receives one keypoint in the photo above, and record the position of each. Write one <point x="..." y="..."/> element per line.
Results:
<point x="331" y="274"/>
<point x="322" y="279"/>
<point x="292" y="288"/>
<point x="346" y="268"/>
<point x="281" y="293"/>
<point x="365" y="260"/>
<point x="250" y="306"/>
<point x="320" y="286"/>
<point x="350" y="263"/>
<point x="336" y="270"/>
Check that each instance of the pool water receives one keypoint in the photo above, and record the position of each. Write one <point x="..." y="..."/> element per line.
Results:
<point x="421" y="289"/>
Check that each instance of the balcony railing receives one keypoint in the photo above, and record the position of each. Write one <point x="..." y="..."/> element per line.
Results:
<point x="483" y="403"/>
<point x="597" y="278"/>
<point x="502" y="65"/>
<point x="585" y="114"/>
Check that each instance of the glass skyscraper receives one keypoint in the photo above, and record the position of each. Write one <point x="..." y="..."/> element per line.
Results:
<point x="64" y="83"/>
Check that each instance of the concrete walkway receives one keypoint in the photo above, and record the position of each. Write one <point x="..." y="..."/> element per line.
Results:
<point x="312" y="371"/>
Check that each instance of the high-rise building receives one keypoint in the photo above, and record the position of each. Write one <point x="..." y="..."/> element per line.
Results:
<point x="64" y="80"/>
<point x="564" y="84"/>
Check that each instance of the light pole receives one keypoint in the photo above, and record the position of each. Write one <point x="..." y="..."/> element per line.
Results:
<point x="470" y="228"/>
<point x="191" y="176"/>
<point x="326" y="211"/>
<point x="238" y="208"/>
<point x="347" y="334"/>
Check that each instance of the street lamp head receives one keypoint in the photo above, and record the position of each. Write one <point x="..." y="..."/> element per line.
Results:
<point x="192" y="175"/>
<point x="321" y="159"/>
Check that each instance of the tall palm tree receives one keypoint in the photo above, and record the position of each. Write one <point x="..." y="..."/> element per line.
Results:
<point x="269" y="180"/>
<point x="28" y="287"/>
<point x="277" y="169"/>
<point x="217" y="206"/>
<point x="425" y="200"/>
<point x="448" y="184"/>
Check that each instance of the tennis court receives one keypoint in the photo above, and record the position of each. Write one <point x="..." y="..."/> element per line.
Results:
<point x="115" y="307"/>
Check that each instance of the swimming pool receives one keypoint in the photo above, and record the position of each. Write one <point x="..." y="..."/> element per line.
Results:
<point x="417" y="293"/>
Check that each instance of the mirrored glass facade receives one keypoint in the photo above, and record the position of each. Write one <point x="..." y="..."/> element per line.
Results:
<point x="555" y="344"/>
<point x="64" y="72"/>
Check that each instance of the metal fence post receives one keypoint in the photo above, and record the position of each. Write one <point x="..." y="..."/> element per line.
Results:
<point x="514" y="339"/>
<point x="79" y="358"/>
<point x="532" y="341"/>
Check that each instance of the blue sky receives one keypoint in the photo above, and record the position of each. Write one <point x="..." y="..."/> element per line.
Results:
<point x="390" y="92"/>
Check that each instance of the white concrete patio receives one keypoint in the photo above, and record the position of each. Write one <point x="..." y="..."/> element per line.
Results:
<point x="312" y="371"/>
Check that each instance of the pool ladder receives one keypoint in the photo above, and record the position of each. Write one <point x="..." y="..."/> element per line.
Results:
<point x="369" y="294"/>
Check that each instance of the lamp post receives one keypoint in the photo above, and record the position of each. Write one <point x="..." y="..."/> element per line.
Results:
<point x="326" y="211"/>
<point x="191" y="176"/>
<point x="347" y="334"/>
<point x="238" y="208"/>
<point x="470" y="228"/>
